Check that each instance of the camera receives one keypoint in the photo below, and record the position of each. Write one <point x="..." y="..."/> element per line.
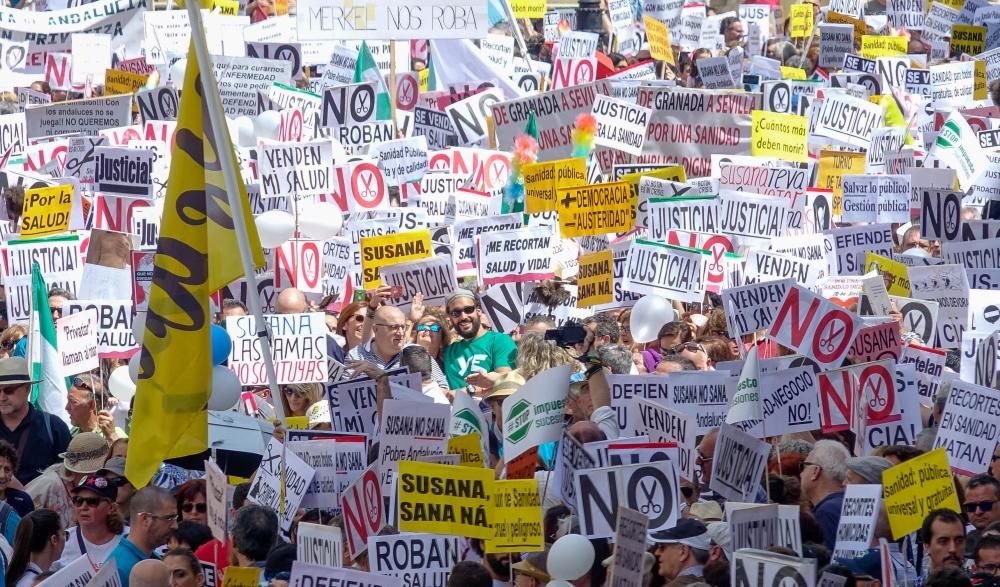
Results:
<point x="567" y="336"/>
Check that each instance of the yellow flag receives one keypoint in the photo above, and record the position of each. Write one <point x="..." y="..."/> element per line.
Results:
<point x="196" y="255"/>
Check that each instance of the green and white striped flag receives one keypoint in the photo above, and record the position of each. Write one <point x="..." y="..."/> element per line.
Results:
<point x="367" y="71"/>
<point x="50" y="393"/>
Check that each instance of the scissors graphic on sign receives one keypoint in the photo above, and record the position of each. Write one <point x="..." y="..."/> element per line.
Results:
<point x="828" y="344"/>
<point x="650" y="506"/>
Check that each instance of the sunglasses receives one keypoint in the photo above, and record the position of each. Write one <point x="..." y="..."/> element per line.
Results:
<point x="691" y="347"/>
<point x="10" y="344"/>
<point x="290" y="391"/>
<point x="90" y="501"/>
<point x="359" y="318"/>
<point x="11" y="390"/>
<point x="189" y="507"/>
<point x="82" y="383"/>
<point x="426" y="327"/>
<point x="985" y="506"/>
<point x="457" y="312"/>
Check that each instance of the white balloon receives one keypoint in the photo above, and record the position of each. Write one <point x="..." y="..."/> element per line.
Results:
<point x="177" y="72"/>
<point x="558" y="583"/>
<point x="120" y="384"/>
<point x="266" y="125"/>
<point x="133" y="368"/>
<point x="320" y="220"/>
<point x="649" y="315"/>
<point x="245" y="131"/>
<point x="274" y="228"/>
<point x="225" y="389"/>
<point x="139" y="326"/>
<point x="570" y="558"/>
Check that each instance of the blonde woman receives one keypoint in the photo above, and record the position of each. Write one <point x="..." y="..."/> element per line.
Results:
<point x="297" y="397"/>
<point x="535" y="354"/>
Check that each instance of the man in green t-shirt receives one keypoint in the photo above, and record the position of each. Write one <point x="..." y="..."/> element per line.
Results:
<point x="481" y="355"/>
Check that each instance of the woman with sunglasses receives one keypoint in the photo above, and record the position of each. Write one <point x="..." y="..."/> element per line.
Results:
<point x="431" y="332"/>
<point x="297" y="397"/>
<point x="38" y="545"/>
<point x="191" y="501"/>
<point x="99" y="523"/>
<point x="350" y="325"/>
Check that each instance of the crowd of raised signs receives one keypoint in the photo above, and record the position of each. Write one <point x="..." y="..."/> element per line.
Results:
<point x="634" y="293"/>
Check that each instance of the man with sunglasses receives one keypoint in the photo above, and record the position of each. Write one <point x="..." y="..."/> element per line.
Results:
<point x="482" y="355"/>
<point x="39" y="437"/>
<point x="982" y="493"/>
<point x="86" y="414"/>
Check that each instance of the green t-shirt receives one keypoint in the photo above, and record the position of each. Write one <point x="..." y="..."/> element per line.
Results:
<point x="490" y="352"/>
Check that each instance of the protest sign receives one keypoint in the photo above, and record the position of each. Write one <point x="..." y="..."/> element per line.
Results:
<point x="703" y="398"/>
<point x="379" y="251"/>
<point x="895" y="274"/>
<point x="76" y="337"/>
<point x="957" y="147"/>
<point x="46" y="211"/>
<point x="78" y="572"/>
<point x="595" y="279"/>
<point x="848" y="120"/>
<point x="533" y="414"/>
<point x="764" y="266"/>
<point x="363" y="510"/>
<point x="675" y="273"/>
<point x="416" y="559"/>
<point x="296" y="169"/>
<point x="779" y="135"/>
<point x="298" y="263"/>
<point x="469" y="116"/>
<point x="572" y="457"/>
<point x="433" y="277"/>
<point x="753" y="307"/>
<point x="555" y="115"/>
<point x="123" y="172"/>
<point x="752" y="525"/>
<point x="240" y="78"/>
<point x="858" y="515"/>
<point x="835" y="41"/>
<point x="281" y="482"/>
<point x="410" y="430"/>
<point x="928" y="363"/>
<point x="516" y="516"/>
<point x="157" y="104"/>
<point x="853" y="243"/>
<point x="515" y="256"/>
<point x="543" y="180"/>
<point x="947" y="285"/>
<point x="876" y="199"/>
<point x="940" y="214"/>
<point x="306" y="574"/>
<point x="324" y="489"/>
<point x="59" y="260"/>
<point x="969" y="416"/>
<point x="759" y="567"/>
<point x="789" y="401"/>
<point x="595" y="209"/>
<point x="401" y="160"/>
<point x="649" y="488"/>
<point x="114" y="326"/>
<point x="216" y="500"/>
<point x="455" y="19"/>
<point x="663" y="424"/>
<point x="630" y="547"/>
<point x="801" y="22"/>
<point x="78" y="116"/>
<point x="620" y="125"/>
<point x="319" y="545"/>
<point x="298" y="348"/>
<point x="877" y="342"/>
<point x="738" y="464"/>
<point x="913" y="489"/>
<point x="445" y="499"/>
<point x="815" y="327"/>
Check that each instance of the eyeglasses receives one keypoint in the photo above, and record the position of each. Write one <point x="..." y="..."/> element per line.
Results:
<point x="702" y="459"/>
<point x="989" y="569"/>
<point x="392" y="327"/>
<point x="985" y="506"/>
<point x="811" y="464"/>
<point x="291" y="391"/>
<point x="90" y="501"/>
<point x="457" y="312"/>
<point x="426" y="327"/>
<point x="189" y="507"/>
<point x="55" y="310"/>
<point x="165" y="518"/>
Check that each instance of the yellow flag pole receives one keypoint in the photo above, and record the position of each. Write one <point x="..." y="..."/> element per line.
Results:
<point x="217" y="118"/>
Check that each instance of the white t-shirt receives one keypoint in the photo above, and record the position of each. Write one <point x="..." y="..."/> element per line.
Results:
<point x="98" y="553"/>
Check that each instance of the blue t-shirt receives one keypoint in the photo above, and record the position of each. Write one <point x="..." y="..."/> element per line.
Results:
<point x="127" y="555"/>
<point x="827" y="513"/>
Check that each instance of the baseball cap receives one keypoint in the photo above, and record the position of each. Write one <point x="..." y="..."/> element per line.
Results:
<point x="460" y="293"/>
<point x="114" y="465"/>
<point x="98" y="485"/>
<point x="719" y="533"/>
<point x="706" y="511"/>
<point x="869" y="468"/>
<point x="688" y="531"/>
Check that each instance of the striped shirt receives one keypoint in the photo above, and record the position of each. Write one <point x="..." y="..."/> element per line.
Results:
<point x="364" y="352"/>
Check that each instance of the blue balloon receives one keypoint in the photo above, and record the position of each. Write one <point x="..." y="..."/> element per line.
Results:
<point x="221" y="344"/>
